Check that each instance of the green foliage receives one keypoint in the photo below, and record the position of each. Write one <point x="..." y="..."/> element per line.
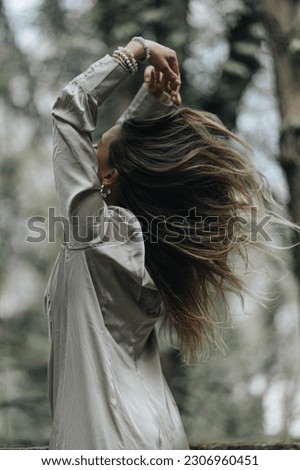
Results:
<point x="24" y="405"/>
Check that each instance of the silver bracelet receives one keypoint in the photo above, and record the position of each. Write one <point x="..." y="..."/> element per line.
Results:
<point x="146" y="47"/>
<point x="130" y="56"/>
<point x="121" y="56"/>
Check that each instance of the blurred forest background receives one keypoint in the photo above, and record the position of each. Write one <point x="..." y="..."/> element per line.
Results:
<point x="240" y="59"/>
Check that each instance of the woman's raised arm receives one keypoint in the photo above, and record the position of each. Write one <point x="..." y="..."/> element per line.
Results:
<point x="75" y="116"/>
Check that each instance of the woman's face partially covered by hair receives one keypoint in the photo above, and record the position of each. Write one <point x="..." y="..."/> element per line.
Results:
<point x="108" y="176"/>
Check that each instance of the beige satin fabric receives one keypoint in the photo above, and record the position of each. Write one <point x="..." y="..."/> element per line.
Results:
<point x="106" y="387"/>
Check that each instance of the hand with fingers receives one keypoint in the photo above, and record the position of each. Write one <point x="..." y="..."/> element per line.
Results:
<point x="157" y="84"/>
<point x="162" y="58"/>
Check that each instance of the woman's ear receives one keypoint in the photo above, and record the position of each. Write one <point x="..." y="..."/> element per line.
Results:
<point x="111" y="177"/>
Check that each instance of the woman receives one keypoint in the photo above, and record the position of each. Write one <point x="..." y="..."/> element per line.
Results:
<point x="152" y="218"/>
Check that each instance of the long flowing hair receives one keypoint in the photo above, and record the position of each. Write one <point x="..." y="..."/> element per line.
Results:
<point x="192" y="186"/>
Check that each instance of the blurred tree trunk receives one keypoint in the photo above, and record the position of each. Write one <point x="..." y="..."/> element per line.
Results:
<point x="282" y="18"/>
<point x="244" y="38"/>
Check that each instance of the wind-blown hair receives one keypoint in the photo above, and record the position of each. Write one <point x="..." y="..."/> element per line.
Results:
<point x="191" y="185"/>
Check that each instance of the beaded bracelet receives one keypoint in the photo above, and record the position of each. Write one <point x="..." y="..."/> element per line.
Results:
<point x="123" y="58"/>
<point x="145" y="45"/>
<point x="130" y="55"/>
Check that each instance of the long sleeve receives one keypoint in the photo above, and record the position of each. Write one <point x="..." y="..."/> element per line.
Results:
<point x="74" y="159"/>
<point x="144" y="104"/>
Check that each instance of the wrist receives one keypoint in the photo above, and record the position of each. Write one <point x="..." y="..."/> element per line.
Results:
<point x="137" y="50"/>
<point x="165" y="99"/>
<point x="162" y="96"/>
<point x="146" y="47"/>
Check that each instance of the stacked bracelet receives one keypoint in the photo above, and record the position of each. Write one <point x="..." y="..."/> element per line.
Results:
<point x="126" y="59"/>
<point x="131" y="57"/>
<point x="145" y="45"/>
